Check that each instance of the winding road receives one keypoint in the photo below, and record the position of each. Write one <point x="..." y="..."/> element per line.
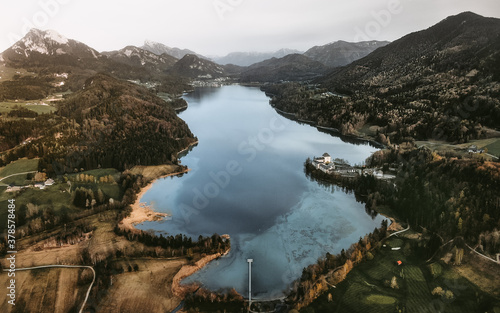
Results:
<point x="398" y="232"/>
<point x="24" y="173"/>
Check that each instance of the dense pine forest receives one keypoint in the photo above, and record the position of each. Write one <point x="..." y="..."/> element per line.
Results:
<point x="109" y="123"/>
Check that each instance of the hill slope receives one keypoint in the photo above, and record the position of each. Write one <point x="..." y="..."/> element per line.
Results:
<point x="119" y="125"/>
<point x="289" y="68"/>
<point x="456" y="45"/>
<point x="192" y="66"/>
<point x="441" y="83"/>
<point x="249" y="58"/>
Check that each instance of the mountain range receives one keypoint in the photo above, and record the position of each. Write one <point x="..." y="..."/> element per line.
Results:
<point x="138" y="57"/>
<point x="159" y="49"/>
<point x="453" y="47"/>
<point x="249" y="58"/>
<point x="422" y="58"/>
<point x="442" y="83"/>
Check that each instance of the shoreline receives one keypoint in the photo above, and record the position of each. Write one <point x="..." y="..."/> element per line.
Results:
<point x="188" y="147"/>
<point x="188" y="270"/>
<point x="141" y="212"/>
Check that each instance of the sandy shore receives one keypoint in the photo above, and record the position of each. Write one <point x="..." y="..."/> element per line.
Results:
<point x="141" y="212"/>
<point x="188" y="270"/>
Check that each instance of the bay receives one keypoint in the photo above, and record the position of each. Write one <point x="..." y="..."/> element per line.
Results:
<point x="247" y="180"/>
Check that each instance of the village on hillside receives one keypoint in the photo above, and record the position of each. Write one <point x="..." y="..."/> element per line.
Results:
<point x="340" y="167"/>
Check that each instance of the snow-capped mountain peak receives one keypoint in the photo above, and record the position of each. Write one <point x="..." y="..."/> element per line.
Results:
<point x="40" y="41"/>
<point x="45" y="44"/>
<point x="159" y="49"/>
<point x="55" y="36"/>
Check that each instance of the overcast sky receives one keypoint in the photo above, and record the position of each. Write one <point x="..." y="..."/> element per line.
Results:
<point x="217" y="27"/>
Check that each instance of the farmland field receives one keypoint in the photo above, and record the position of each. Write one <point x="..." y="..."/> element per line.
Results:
<point x="8" y="106"/>
<point x="368" y="287"/>
<point x="20" y="166"/>
<point x="42" y="284"/>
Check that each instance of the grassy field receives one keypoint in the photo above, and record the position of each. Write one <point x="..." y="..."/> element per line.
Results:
<point x="367" y="288"/>
<point x="380" y="300"/>
<point x="8" y="106"/>
<point x="55" y="290"/>
<point x="97" y="173"/>
<point x="7" y="73"/>
<point x="152" y="172"/>
<point x="147" y="290"/>
<point x="492" y="145"/>
<point x="19" y="166"/>
<point x="55" y="197"/>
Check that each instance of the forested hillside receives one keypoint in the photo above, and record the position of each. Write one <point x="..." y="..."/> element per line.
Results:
<point x="441" y="83"/>
<point x="109" y="123"/>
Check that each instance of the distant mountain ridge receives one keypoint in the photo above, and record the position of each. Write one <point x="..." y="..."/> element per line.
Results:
<point x="249" y="58"/>
<point x="159" y="49"/>
<point x="468" y="39"/>
<point x="341" y="53"/>
<point x="135" y="56"/>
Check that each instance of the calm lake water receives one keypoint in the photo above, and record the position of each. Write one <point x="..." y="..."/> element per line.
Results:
<point x="247" y="180"/>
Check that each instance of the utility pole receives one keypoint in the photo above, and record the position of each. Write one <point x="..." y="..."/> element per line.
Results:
<point x="249" y="281"/>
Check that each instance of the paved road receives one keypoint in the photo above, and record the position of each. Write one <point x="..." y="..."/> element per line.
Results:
<point x="484" y="256"/>
<point x="17" y="174"/>
<point x="491" y="155"/>
<point x="399" y="231"/>
<point x="64" y="266"/>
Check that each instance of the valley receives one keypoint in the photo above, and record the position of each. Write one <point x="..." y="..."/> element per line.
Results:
<point x="147" y="163"/>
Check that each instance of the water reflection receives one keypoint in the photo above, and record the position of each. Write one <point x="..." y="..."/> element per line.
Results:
<point x="272" y="211"/>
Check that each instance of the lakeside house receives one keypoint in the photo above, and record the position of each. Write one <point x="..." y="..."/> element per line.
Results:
<point x="344" y="169"/>
<point x="324" y="163"/>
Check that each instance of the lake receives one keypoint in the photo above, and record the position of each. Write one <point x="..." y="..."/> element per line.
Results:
<point x="247" y="180"/>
